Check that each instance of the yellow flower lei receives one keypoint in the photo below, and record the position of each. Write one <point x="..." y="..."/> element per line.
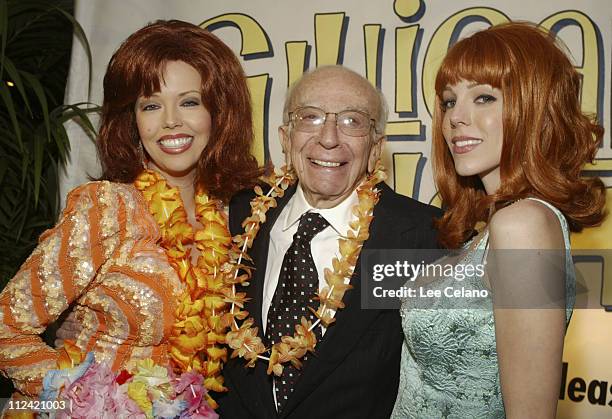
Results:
<point x="201" y="316"/>
<point x="244" y="339"/>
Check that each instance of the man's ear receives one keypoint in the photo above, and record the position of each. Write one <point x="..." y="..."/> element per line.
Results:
<point x="285" y="140"/>
<point x="376" y="152"/>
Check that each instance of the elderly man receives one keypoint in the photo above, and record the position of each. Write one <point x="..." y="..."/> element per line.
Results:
<point x="332" y="135"/>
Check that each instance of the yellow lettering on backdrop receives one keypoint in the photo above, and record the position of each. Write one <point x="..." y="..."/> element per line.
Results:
<point x="296" y="60"/>
<point x="405" y="39"/>
<point x="328" y="37"/>
<point x="440" y="42"/>
<point x="407" y="172"/>
<point x="258" y="86"/>
<point x="600" y="237"/>
<point x="405" y="56"/>
<point x="407" y="42"/>
<point x="254" y="38"/>
<point x="254" y="43"/>
<point x="591" y="67"/>
<point x="401" y="128"/>
<point x="406" y="8"/>
<point x="371" y="39"/>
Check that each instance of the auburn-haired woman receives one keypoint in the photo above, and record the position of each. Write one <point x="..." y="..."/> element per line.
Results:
<point x="137" y="253"/>
<point x="509" y="143"/>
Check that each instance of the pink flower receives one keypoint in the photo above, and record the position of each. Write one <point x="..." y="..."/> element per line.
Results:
<point x="88" y="393"/>
<point x="97" y="394"/>
<point x="187" y="379"/>
<point x="191" y="390"/>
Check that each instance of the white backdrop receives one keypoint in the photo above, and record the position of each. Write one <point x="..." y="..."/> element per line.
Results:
<point x="397" y="45"/>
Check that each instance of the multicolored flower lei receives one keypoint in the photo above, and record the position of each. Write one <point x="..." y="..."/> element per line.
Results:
<point x="91" y="389"/>
<point x="244" y="339"/>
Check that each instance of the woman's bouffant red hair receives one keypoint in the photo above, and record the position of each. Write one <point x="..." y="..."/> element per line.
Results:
<point x="546" y="138"/>
<point x="136" y="69"/>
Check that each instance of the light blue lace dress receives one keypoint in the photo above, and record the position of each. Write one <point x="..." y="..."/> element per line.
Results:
<point x="449" y="360"/>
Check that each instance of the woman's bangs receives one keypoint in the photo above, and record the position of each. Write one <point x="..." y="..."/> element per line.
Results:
<point x="472" y="59"/>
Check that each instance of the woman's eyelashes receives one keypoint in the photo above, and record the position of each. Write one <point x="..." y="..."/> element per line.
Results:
<point x="149" y="107"/>
<point x="485" y="98"/>
<point x="190" y="103"/>
<point x="187" y="103"/>
<point x="480" y="99"/>
<point x="447" y="104"/>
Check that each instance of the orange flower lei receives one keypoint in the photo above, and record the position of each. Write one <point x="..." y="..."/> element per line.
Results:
<point x="201" y="315"/>
<point x="244" y="339"/>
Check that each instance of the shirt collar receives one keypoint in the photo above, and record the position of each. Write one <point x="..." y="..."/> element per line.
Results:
<point x="338" y="217"/>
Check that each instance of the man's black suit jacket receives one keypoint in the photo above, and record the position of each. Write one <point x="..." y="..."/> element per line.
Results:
<point x="355" y="372"/>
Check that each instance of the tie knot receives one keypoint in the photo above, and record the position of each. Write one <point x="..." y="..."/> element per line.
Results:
<point x="311" y="224"/>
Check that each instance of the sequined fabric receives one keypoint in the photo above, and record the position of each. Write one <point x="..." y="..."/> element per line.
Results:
<point x="449" y="366"/>
<point x="103" y="256"/>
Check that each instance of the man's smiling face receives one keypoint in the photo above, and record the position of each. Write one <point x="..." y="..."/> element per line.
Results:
<point x="329" y="163"/>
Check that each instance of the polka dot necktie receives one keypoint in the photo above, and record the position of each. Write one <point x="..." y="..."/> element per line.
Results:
<point x="297" y="284"/>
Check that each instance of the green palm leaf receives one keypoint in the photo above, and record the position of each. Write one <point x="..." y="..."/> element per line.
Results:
<point x="35" y="45"/>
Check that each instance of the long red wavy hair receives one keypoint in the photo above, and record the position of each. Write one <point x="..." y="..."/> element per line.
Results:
<point x="226" y="164"/>
<point x="546" y="137"/>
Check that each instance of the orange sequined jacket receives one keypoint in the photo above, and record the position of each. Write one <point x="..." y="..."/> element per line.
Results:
<point x="103" y="256"/>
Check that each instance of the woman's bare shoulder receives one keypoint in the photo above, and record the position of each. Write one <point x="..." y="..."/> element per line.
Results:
<point x="526" y="224"/>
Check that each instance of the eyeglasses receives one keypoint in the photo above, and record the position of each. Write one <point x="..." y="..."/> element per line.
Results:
<point x="349" y="122"/>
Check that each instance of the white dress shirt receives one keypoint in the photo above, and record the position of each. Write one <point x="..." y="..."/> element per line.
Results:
<point x="324" y="246"/>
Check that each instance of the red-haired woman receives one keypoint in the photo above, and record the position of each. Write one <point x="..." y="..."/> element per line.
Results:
<point x="137" y="253"/>
<point x="509" y="142"/>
